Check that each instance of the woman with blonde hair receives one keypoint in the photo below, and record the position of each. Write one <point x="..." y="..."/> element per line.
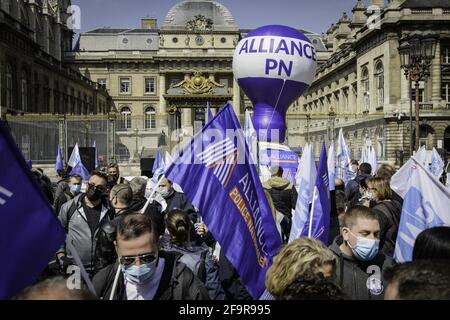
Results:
<point x="387" y="210"/>
<point x="301" y="256"/>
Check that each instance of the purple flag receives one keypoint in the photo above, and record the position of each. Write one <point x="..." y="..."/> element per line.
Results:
<point x="31" y="234"/>
<point x="59" y="165"/>
<point x="318" y="224"/>
<point x="94" y="145"/>
<point x="218" y="177"/>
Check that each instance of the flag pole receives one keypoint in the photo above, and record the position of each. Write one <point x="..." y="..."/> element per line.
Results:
<point x="150" y="198"/>
<point x="312" y="211"/>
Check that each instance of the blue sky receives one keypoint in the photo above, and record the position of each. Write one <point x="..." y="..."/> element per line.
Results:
<point x="314" y="15"/>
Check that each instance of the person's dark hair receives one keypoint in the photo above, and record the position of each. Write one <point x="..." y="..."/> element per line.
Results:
<point x="76" y="176"/>
<point x="100" y="174"/>
<point x="363" y="183"/>
<point x="179" y="226"/>
<point x="312" y="287"/>
<point x="161" y="175"/>
<point x="354" y="162"/>
<point x="340" y="201"/>
<point x="135" y="225"/>
<point x="62" y="173"/>
<point x="420" y="280"/>
<point x="123" y="193"/>
<point x="54" y="288"/>
<point x="355" y="212"/>
<point x="385" y="171"/>
<point x="113" y="165"/>
<point x="433" y="243"/>
<point x="365" y="168"/>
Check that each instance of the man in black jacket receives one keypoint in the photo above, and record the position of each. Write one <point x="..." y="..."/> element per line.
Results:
<point x="284" y="196"/>
<point x="352" y="194"/>
<point x="360" y="265"/>
<point x="120" y="198"/>
<point x="175" y="200"/>
<point x="145" y="273"/>
<point x="72" y="189"/>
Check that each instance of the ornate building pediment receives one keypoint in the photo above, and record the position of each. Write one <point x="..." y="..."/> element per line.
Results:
<point x="198" y="84"/>
<point x="199" y="23"/>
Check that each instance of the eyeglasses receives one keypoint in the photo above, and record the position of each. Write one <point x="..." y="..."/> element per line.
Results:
<point x="93" y="186"/>
<point x="143" y="258"/>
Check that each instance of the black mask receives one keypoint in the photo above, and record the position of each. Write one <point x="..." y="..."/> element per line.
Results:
<point x="112" y="178"/>
<point x="93" y="194"/>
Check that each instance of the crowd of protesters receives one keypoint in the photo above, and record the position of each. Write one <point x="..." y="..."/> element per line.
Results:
<point x="167" y="252"/>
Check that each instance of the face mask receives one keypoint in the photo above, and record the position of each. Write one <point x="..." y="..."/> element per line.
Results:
<point x="139" y="274"/>
<point x="112" y="178"/>
<point x="365" y="249"/>
<point x="164" y="192"/>
<point x="93" y="194"/>
<point x="75" y="189"/>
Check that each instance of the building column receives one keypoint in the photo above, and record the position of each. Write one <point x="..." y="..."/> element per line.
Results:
<point x="436" y="78"/>
<point x="236" y="98"/>
<point x="162" y="112"/>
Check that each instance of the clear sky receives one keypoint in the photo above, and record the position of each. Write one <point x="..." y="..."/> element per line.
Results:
<point x="313" y="15"/>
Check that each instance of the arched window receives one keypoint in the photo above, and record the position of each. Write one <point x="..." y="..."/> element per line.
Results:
<point x="150" y="118"/>
<point x="9" y="86"/>
<point x="366" y="89"/>
<point x="125" y="118"/>
<point x="122" y="153"/>
<point x="379" y="78"/>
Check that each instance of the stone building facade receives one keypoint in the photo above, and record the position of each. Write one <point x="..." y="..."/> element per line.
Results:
<point x="362" y="88"/>
<point x="161" y="78"/>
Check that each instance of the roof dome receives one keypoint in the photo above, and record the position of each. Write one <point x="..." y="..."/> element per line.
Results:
<point x="211" y="13"/>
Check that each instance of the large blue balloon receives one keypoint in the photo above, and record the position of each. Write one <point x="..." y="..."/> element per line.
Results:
<point x="274" y="65"/>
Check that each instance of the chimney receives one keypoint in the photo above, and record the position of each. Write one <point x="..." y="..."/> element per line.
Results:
<point x="148" y="23"/>
<point x="378" y="3"/>
<point x="358" y="11"/>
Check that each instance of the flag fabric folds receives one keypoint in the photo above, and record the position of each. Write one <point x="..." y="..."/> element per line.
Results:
<point x="31" y="233"/>
<point x="77" y="165"/>
<point x="437" y="165"/>
<point x="59" y="165"/>
<point x="318" y="223"/>
<point x="216" y="165"/>
<point x="251" y="137"/>
<point x="344" y="160"/>
<point x="426" y="204"/>
<point x="306" y="177"/>
<point x="331" y="166"/>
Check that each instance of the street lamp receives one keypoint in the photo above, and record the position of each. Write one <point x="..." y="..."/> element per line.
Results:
<point x="416" y="53"/>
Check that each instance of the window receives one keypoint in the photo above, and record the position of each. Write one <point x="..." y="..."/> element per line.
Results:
<point x="149" y="85"/>
<point x="446" y="93"/>
<point x="446" y="54"/>
<point x="125" y="118"/>
<point x="365" y="86"/>
<point x="379" y="78"/>
<point x="125" y="85"/>
<point x="102" y="82"/>
<point x="9" y="87"/>
<point x="421" y="93"/>
<point x="150" y="118"/>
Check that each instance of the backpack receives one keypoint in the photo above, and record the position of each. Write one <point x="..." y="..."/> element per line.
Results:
<point x="389" y="210"/>
<point x="196" y="261"/>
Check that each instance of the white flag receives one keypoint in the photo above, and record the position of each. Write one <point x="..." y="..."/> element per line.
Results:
<point x="426" y="205"/>
<point x="437" y="165"/>
<point x="331" y="166"/>
<point x="74" y="157"/>
<point x="306" y="177"/>
<point x="251" y="137"/>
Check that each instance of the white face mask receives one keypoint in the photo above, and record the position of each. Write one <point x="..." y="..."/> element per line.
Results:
<point x="164" y="191"/>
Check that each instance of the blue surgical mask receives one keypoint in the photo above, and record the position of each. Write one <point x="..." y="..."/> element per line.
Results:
<point x="365" y="249"/>
<point x="75" y="189"/>
<point x="139" y="274"/>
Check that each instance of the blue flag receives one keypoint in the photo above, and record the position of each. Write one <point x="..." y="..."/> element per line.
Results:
<point x="77" y="165"/>
<point x="158" y="164"/>
<point x="209" y="114"/>
<point x="318" y="224"/>
<point x="30" y="164"/>
<point x="94" y="145"/>
<point x="217" y="176"/>
<point x="426" y="204"/>
<point x="59" y="165"/>
<point x="31" y="234"/>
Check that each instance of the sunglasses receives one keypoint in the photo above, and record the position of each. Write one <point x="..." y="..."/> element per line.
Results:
<point x="143" y="258"/>
<point x="93" y="186"/>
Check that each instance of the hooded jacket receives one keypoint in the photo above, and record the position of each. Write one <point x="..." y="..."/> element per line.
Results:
<point x="360" y="280"/>
<point x="177" y="281"/>
<point x="78" y="230"/>
<point x="283" y="194"/>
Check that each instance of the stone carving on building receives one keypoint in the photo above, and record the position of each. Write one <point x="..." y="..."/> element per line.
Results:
<point x="199" y="23"/>
<point x="198" y="84"/>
